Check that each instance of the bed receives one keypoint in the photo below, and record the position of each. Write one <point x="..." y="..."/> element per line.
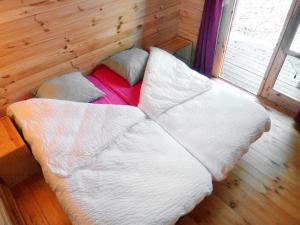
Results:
<point x="141" y="155"/>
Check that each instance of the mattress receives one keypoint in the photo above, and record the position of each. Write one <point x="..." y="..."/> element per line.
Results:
<point x="117" y="89"/>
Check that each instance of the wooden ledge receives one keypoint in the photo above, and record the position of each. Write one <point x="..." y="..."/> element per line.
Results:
<point x="174" y="44"/>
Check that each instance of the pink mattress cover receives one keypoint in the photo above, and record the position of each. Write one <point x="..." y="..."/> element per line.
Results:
<point x="117" y="89"/>
<point x="110" y="96"/>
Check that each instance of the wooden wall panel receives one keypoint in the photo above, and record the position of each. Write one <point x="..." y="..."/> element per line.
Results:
<point x="40" y="39"/>
<point x="190" y="19"/>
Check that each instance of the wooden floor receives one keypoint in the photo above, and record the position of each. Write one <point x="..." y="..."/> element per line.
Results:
<point x="263" y="189"/>
<point x="245" y="66"/>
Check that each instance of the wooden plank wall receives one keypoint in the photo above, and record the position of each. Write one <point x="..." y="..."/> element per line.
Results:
<point x="45" y="38"/>
<point x="190" y="19"/>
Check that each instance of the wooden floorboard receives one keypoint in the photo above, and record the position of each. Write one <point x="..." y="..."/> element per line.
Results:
<point x="38" y="203"/>
<point x="263" y="189"/>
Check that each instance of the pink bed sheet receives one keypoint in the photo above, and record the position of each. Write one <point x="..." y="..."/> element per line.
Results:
<point x="110" y="98"/>
<point x="117" y="89"/>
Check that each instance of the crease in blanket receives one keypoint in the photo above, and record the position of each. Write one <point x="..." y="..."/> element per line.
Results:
<point x="178" y="142"/>
<point x="104" y="148"/>
<point x="168" y="82"/>
<point x="171" y="107"/>
<point x="155" y="119"/>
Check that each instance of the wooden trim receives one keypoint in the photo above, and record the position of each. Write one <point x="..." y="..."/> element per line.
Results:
<point x="175" y="44"/>
<point x="190" y="19"/>
<point x="11" y="140"/>
<point x="294" y="54"/>
<point x="16" y="161"/>
<point x="286" y="37"/>
<point x="228" y="12"/>
<point x="284" y="101"/>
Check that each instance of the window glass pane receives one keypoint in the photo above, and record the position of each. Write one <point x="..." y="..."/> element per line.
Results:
<point x="255" y="31"/>
<point x="296" y="42"/>
<point x="288" y="81"/>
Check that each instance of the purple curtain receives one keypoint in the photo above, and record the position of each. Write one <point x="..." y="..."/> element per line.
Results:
<point x="205" y="49"/>
<point x="297" y="118"/>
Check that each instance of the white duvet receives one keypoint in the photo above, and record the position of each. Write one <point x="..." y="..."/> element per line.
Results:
<point x="115" y="165"/>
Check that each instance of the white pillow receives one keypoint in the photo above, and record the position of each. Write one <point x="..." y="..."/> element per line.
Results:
<point x="72" y="86"/>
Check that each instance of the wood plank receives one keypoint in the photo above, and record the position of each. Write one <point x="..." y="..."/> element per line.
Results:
<point x="254" y="61"/>
<point x="190" y="19"/>
<point x="10" y="140"/>
<point x="9" y="211"/>
<point x="50" y="208"/>
<point x="239" y="81"/>
<point x="29" y="207"/>
<point x="174" y="44"/>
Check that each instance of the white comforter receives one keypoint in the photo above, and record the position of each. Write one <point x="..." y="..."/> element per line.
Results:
<point x="117" y="165"/>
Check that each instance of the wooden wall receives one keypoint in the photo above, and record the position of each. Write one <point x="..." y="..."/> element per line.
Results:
<point x="45" y="38"/>
<point x="190" y="19"/>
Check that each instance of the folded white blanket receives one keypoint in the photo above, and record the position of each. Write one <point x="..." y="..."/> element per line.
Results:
<point x="215" y="125"/>
<point x="117" y="165"/>
<point x="168" y="82"/>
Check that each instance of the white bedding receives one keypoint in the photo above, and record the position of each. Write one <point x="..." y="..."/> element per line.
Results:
<point x="216" y="127"/>
<point x="213" y="124"/>
<point x="117" y="165"/>
<point x="109" y="164"/>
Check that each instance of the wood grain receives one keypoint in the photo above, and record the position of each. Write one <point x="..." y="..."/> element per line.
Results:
<point x="40" y="39"/>
<point x="262" y="189"/>
<point x="10" y="140"/>
<point x="174" y="44"/>
<point x="9" y="211"/>
<point x="190" y="19"/>
<point x="16" y="161"/>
